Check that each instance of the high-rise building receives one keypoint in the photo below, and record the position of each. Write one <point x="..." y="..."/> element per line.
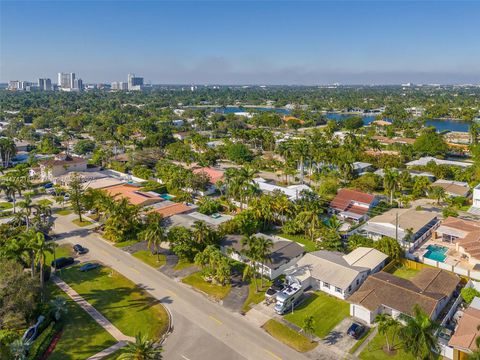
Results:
<point x="134" y="82"/>
<point x="66" y="81"/>
<point x="44" y="84"/>
<point x="77" y="85"/>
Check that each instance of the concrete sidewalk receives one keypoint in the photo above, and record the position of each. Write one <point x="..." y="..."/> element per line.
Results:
<point x="108" y="351"/>
<point x="94" y="313"/>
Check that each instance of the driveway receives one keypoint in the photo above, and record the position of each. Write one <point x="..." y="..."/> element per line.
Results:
<point x="338" y="338"/>
<point x="238" y="294"/>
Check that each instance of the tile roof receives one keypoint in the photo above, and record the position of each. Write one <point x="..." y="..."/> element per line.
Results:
<point x="467" y="330"/>
<point x="213" y="174"/>
<point x="468" y="232"/>
<point x="426" y="289"/>
<point x="71" y="160"/>
<point x="346" y="197"/>
<point x="173" y="209"/>
<point x="133" y="194"/>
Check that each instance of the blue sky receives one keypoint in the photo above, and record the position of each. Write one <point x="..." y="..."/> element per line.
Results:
<point x="243" y="42"/>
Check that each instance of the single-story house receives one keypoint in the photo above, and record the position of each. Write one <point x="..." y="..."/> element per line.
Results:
<point x="284" y="254"/>
<point x="414" y="226"/>
<point x="453" y="188"/>
<point x="133" y="194"/>
<point x="360" y="167"/>
<point x="425" y="160"/>
<point x="60" y="165"/>
<point x="188" y="219"/>
<point x="169" y="208"/>
<point x="465" y="234"/>
<point x="214" y="175"/>
<point x="466" y="332"/>
<point x="384" y="293"/>
<point x="292" y="191"/>
<point x="352" y="204"/>
<point x="335" y="273"/>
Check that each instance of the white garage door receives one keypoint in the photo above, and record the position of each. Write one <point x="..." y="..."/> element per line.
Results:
<point x="360" y="313"/>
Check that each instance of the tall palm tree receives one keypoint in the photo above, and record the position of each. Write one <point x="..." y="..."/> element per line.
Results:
<point x="154" y="234"/>
<point x="12" y="187"/>
<point x="264" y="247"/>
<point x="141" y="349"/>
<point x="309" y="326"/>
<point x="250" y="250"/>
<point x="438" y="193"/>
<point x="27" y="206"/>
<point x="390" y="182"/>
<point x="418" y="335"/>
<point x="41" y="248"/>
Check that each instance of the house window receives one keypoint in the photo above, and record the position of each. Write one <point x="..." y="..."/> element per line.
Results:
<point x="327" y="285"/>
<point x="337" y="289"/>
<point x="350" y="288"/>
<point x="358" y="281"/>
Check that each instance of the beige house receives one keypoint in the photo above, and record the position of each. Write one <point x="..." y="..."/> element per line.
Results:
<point x="61" y="165"/>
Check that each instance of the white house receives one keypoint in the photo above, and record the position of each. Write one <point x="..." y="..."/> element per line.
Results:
<point x="292" y="191"/>
<point x="475" y="208"/>
<point x="51" y="169"/>
<point x="284" y="253"/>
<point x="335" y="273"/>
<point x="384" y="293"/>
<point x="425" y="160"/>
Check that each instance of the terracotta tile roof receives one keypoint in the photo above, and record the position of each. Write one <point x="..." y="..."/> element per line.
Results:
<point x="133" y="194"/>
<point x="173" y="209"/>
<point x="214" y="174"/>
<point x="426" y="289"/>
<point x="63" y="162"/>
<point x="461" y="224"/>
<point x="466" y="331"/>
<point x="346" y="197"/>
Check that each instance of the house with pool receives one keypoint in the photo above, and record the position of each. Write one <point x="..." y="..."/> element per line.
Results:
<point x="454" y="246"/>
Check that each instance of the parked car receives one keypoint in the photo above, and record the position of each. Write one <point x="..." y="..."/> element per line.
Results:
<point x="79" y="249"/>
<point x="89" y="266"/>
<point x="276" y="287"/>
<point x="356" y="330"/>
<point x="62" y="262"/>
<point x="48" y="185"/>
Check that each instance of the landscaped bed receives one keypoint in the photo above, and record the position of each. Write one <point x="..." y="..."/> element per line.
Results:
<point x="255" y="297"/>
<point x="81" y="223"/>
<point x="64" y="212"/>
<point x="150" y="259"/>
<point x="217" y="292"/>
<point x="129" y="308"/>
<point x="327" y="311"/>
<point x="289" y="336"/>
<point x="81" y="336"/>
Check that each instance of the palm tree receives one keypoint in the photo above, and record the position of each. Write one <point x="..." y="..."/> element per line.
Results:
<point x="418" y="335"/>
<point x="19" y="349"/>
<point x="41" y="248"/>
<point x="141" y="349"/>
<point x="59" y="307"/>
<point x="388" y="326"/>
<point x="12" y="187"/>
<point x="438" y="193"/>
<point x="27" y="207"/>
<point x="203" y="234"/>
<point x="154" y="234"/>
<point x="390" y="182"/>
<point x="309" y="326"/>
<point x="264" y="247"/>
<point x="311" y="222"/>
<point x="251" y="251"/>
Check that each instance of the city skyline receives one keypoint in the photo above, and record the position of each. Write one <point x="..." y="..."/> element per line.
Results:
<point x="287" y="43"/>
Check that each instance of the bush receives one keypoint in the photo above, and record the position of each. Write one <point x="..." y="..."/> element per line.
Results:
<point x="468" y="294"/>
<point x="209" y="206"/>
<point x="41" y="344"/>
<point x="449" y="211"/>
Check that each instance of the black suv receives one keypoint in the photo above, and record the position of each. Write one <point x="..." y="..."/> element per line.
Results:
<point x="79" y="249"/>
<point x="356" y="330"/>
<point x="276" y="287"/>
<point x="62" y="262"/>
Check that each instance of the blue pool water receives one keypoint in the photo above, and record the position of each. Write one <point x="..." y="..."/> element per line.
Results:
<point x="436" y="252"/>
<point x="166" y="196"/>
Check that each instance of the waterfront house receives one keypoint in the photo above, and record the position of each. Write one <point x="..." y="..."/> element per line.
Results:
<point x="335" y="273"/>
<point x="384" y="293"/>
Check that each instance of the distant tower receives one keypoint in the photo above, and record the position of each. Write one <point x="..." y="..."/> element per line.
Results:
<point x="66" y="81"/>
<point x="45" y="84"/>
<point x="134" y="82"/>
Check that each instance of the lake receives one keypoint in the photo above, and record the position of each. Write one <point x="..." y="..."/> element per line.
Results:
<point x="440" y="125"/>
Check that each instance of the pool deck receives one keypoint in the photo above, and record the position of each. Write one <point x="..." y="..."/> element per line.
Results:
<point x="454" y="258"/>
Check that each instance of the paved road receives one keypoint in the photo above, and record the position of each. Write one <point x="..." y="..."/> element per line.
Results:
<point x="202" y="329"/>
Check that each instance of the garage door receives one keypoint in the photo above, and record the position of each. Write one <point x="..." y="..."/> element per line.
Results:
<point x="360" y="313"/>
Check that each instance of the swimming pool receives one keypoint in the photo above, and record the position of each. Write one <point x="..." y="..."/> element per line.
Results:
<point x="167" y="196"/>
<point x="436" y="252"/>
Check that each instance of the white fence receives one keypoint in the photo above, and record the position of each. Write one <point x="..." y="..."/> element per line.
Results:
<point x="441" y="265"/>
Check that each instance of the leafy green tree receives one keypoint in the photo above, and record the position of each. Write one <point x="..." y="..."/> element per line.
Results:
<point x="58" y="307"/>
<point x="309" y="326"/>
<point x="76" y="191"/>
<point x="389" y="327"/>
<point x="389" y="247"/>
<point x="430" y="143"/>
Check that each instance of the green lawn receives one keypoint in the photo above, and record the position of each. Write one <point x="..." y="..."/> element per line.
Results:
<point x="81" y="336"/>
<point x="44" y="202"/>
<point x="5" y="205"/>
<point x="255" y="297"/>
<point x="327" y="311"/>
<point x="309" y="244"/>
<point x="60" y="251"/>
<point x="374" y="350"/>
<point x="288" y="336"/>
<point x="82" y="223"/>
<point x="196" y="280"/>
<point x="64" y="212"/>
<point x="404" y="272"/>
<point x="183" y="264"/>
<point x="125" y="243"/>
<point x="129" y="308"/>
<point x="150" y="259"/>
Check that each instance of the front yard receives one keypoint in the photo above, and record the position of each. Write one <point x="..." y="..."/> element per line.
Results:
<point x="217" y="292"/>
<point x="255" y="297"/>
<point x="129" y="308"/>
<point x="374" y="350"/>
<point x="327" y="311"/>
<point x="150" y="259"/>
<point x="289" y="336"/>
